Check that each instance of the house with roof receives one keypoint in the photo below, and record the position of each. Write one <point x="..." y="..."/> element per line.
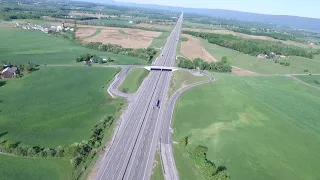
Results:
<point x="9" y="72"/>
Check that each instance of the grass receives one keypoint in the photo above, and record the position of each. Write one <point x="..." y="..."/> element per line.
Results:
<point x="157" y="169"/>
<point x="258" y="127"/>
<point x="183" y="78"/>
<point x="313" y="80"/>
<point x="161" y="40"/>
<point x="22" y="46"/>
<point x="21" y="168"/>
<point x="264" y="66"/>
<point x="133" y="81"/>
<point x="55" y="105"/>
<point x="98" y="31"/>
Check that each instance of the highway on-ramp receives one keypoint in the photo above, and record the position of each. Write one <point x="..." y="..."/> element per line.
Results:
<point x="131" y="155"/>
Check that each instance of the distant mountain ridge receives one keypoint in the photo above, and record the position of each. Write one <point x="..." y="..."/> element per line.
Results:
<point x="280" y="20"/>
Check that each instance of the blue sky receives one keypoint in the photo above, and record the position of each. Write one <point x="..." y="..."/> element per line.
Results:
<point x="305" y="8"/>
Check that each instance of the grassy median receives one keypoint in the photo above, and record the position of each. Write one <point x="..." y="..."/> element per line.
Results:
<point x="133" y="80"/>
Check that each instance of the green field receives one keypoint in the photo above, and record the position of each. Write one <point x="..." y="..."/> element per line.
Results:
<point x="55" y="105"/>
<point x="161" y="40"/>
<point x="183" y="78"/>
<point x="22" y="46"/>
<point x="258" y="127"/>
<point x="313" y="80"/>
<point x="21" y="168"/>
<point x="133" y="80"/>
<point x="264" y="66"/>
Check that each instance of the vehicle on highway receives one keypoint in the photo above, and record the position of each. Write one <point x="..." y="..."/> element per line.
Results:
<point x="157" y="105"/>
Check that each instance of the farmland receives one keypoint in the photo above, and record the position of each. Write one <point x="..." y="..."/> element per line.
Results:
<point x="20" y="168"/>
<point x="192" y="48"/>
<point x="55" y="105"/>
<point x="133" y="80"/>
<point x="313" y="80"/>
<point x="246" y="36"/>
<point x="125" y="37"/>
<point x="264" y="66"/>
<point x="258" y="127"/>
<point x="26" y="45"/>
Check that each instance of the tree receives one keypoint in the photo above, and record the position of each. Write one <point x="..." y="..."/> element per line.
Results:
<point x="110" y="59"/>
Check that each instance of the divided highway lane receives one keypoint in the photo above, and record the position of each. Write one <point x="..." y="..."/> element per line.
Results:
<point x="131" y="155"/>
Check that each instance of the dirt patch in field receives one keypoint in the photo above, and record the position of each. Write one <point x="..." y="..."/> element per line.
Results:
<point x="193" y="49"/>
<point x="84" y="32"/>
<point x="156" y="26"/>
<point x="132" y="38"/>
<point x="240" y="71"/>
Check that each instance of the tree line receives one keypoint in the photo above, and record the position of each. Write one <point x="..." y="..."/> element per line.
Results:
<point x="147" y="54"/>
<point x="251" y="46"/>
<point x="220" y="66"/>
<point x="275" y="35"/>
<point x="29" y="12"/>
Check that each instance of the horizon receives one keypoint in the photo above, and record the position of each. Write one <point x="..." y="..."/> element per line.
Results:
<point x="266" y="7"/>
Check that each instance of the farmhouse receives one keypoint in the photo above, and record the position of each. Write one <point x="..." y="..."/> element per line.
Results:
<point x="8" y="72"/>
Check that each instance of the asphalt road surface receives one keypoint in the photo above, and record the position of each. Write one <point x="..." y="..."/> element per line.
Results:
<point x="131" y="155"/>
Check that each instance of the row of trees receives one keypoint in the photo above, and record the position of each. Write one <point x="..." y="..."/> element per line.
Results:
<point x="220" y="66"/>
<point x="77" y="151"/>
<point x="28" y="12"/>
<point x="251" y="46"/>
<point x="147" y="54"/>
<point x="275" y="35"/>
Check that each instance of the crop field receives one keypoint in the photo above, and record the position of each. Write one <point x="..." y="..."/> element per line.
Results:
<point x="127" y="38"/>
<point x="192" y="48"/>
<point x="23" y="46"/>
<point x="313" y="80"/>
<point x="55" y="105"/>
<point x="258" y="127"/>
<point x="297" y="64"/>
<point x="22" y="168"/>
<point x="156" y="26"/>
<point x="133" y="81"/>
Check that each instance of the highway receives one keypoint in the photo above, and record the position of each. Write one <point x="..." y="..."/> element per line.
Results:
<point x="131" y="155"/>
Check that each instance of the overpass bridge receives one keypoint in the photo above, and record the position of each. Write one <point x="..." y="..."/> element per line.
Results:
<point x="160" y="68"/>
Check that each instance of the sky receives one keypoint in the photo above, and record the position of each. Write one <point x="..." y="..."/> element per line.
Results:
<point x="304" y="8"/>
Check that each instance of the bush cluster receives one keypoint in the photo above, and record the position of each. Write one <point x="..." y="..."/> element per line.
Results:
<point x="220" y="66"/>
<point x="208" y="169"/>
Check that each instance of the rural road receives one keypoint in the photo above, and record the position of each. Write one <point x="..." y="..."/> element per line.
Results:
<point x="168" y="163"/>
<point x="131" y="155"/>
